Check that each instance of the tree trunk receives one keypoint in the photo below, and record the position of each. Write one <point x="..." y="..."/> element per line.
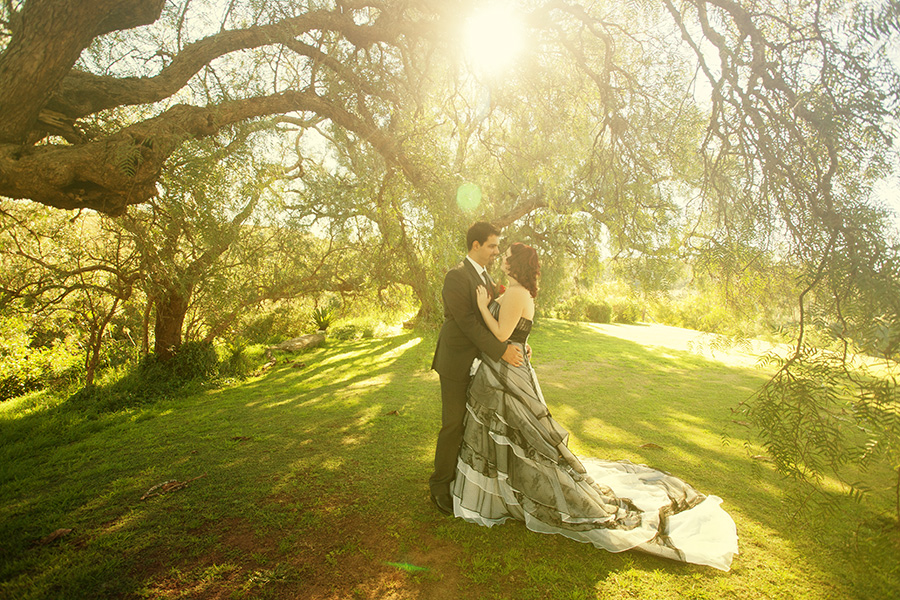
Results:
<point x="92" y="357"/>
<point x="431" y="312"/>
<point x="171" y="308"/>
<point x="95" y="341"/>
<point x="145" y="328"/>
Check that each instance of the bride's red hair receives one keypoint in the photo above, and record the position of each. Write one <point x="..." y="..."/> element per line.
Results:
<point x="524" y="266"/>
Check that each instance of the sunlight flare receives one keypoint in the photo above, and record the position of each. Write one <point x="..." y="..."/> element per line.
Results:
<point x="494" y="37"/>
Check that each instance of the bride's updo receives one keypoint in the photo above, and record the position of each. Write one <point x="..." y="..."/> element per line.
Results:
<point x="524" y="266"/>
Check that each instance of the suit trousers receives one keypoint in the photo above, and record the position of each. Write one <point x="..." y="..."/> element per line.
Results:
<point x="453" y="412"/>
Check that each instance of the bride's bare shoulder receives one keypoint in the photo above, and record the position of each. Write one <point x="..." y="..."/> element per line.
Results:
<point x="516" y="296"/>
<point x="517" y="291"/>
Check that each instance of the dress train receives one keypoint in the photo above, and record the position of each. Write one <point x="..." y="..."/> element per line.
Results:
<point x="515" y="463"/>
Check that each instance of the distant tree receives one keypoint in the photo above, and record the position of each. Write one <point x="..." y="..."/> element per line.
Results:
<point x="79" y="267"/>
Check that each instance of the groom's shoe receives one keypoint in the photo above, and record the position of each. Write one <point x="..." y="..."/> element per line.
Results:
<point x="443" y="502"/>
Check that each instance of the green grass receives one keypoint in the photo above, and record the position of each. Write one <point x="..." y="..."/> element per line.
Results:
<point x="311" y="483"/>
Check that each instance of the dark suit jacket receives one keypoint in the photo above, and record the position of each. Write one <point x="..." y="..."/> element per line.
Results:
<point x="464" y="334"/>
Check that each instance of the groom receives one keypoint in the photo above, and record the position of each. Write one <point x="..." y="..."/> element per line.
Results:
<point x="463" y="336"/>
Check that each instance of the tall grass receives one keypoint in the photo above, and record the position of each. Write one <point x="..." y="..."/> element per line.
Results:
<point x="310" y="482"/>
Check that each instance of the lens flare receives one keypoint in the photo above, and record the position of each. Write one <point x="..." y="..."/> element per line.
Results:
<point x="468" y="197"/>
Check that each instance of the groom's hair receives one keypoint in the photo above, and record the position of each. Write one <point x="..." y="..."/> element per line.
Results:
<point x="480" y="232"/>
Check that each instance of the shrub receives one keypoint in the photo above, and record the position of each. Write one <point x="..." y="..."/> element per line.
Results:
<point x="13" y="386"/>
<point x="574" y="308"/>
<point x="194" y="360"/>
<point x="598" y="312"/>
<point x="150" y="380"/>
<point x="236" y="362"/>
<point x="322" y="317"/>
<point x="346" y="331"/>
<point x="28" y="364"/>
<point x="260" y="328"/>
<point x="625" y="311"/>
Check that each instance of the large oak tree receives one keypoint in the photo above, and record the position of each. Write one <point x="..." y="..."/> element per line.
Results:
<point x="59" y="145"/>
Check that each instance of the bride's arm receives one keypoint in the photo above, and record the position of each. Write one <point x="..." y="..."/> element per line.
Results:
<point x="512" y="308"/>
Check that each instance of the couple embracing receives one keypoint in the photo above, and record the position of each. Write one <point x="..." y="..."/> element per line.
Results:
<point x="500" y="454"/>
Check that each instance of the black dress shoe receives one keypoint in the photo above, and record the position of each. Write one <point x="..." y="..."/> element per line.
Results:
<point x="443" y="502"/>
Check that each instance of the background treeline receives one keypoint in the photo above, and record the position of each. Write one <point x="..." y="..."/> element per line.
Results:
<point x="85" y="294"/>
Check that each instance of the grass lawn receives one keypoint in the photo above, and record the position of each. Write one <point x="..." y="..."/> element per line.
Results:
<point x="310" y="482"/>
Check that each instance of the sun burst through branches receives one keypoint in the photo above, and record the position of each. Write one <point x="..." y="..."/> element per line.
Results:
<point x="494" y="37"/>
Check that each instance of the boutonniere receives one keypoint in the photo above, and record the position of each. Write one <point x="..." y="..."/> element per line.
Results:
<point x="499" y="288"/>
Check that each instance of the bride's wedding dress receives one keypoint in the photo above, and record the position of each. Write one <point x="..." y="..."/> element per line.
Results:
<point x="514" y="463"/>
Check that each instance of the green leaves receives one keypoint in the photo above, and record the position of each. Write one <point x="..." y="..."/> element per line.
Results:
<point x="822" y="416"/>
<point x="322" y="317"/>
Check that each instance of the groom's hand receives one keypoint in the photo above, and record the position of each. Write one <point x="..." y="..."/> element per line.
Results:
<point x="512" y="355"/>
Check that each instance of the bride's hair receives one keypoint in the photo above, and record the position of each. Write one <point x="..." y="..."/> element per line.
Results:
<point x="524" y="266"/>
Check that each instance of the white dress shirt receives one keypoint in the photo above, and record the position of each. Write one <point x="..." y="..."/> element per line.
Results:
<point x="482" y="272"/>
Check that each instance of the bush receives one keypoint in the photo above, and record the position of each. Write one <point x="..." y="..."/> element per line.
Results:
<point x="574" y="308"/>
<point x="195" y="360"/>
<point x="346" y="331"/>
<point x="360" y="328"/>
<point x="274" y="322"/>
<point x="322" y="317"/>
<point x="598" y="312"/>
<point x="260" y="328"/>
<point x="13" y="386"/>
<point x="583" y="307"/>
<point x="28" y="364"/>
<point x="151" y="379"/>
<point x="236" y="362"/>
<point x="697" y="312"/>
<point x="626" y="311"/>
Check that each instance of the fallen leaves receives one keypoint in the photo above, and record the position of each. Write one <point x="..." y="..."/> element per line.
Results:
<point x="651" y="445"/>
<point x="53" y="537"/>
<point x="171" y="485"/>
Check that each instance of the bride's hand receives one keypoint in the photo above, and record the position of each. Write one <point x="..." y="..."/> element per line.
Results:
<point x="481" y="296"/>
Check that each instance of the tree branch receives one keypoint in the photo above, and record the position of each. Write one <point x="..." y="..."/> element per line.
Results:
<point x="82" y="93"/>
<point x="50" y="37"/>
<point x="525" y="206"/>
<point x="110" y="174"/>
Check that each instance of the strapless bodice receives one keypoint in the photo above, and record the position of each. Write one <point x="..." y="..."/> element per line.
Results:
<point x="523" y="327"/>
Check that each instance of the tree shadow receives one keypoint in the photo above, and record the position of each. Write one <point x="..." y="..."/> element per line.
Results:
<point x="676" y="411"/>
<point x="300" y="453"/>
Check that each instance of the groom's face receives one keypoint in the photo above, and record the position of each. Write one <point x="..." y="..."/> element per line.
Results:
<point x="484" y="253"/>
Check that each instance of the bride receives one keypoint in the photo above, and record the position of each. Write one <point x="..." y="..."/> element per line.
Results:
<point x="514" y="461"/>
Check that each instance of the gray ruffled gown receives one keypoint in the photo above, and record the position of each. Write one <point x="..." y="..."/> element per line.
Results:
<point x="514" y="463"/>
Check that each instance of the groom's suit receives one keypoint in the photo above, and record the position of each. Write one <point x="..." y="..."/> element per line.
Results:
<point x="463" y="336"/>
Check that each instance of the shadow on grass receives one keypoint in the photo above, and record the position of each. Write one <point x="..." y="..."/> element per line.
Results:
<point x="317" y="474"/>
<point x="675" y="411"/>
<point x="67" y="467"/>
